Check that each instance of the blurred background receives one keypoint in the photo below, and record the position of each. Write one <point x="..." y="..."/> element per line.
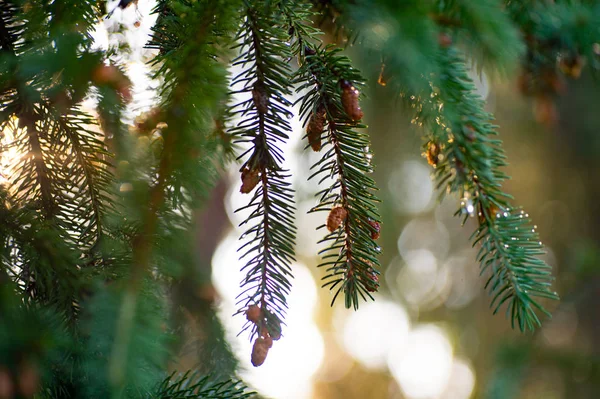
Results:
<point x="430" y="332"/>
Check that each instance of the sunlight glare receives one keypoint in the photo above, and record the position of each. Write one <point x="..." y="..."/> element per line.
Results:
<point x="370" y="333"/>
<point x="411" y="187"/>
<point x="461" y="382"/>
<point x="423" y="366"/>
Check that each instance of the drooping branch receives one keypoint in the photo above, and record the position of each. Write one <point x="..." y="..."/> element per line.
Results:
<point x="266" y="77"/>
<point x="353" y="221"/>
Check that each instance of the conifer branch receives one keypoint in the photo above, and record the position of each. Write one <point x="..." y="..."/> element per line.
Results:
<point x="186" y="92"/>
<point x="266" y="76"/>
<point x="332" y="100"/>
<point x="467" y="160"/>
<point x="39" y="165"/>
<point x="92" y="170"/>
<point x="190" y="385"/>
<point x="466" y="156"/>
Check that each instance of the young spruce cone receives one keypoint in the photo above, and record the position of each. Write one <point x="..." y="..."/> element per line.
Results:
<point x="250" y="179"/>
<point x="350" y="101"/>
<point x="336" y="217"/>
<point x="254" y="314"/>
<point x="432" y="154"/>
<point x="260" y="350"/>
<point x="315" y="126"/>
<point x="376" y="229"/>
<point x="372" y="281"/>
<point x="572" y="66"/>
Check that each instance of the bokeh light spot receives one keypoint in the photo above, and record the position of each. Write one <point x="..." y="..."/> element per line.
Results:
<point x="423" y="367"/>
<point x="370" y="333"/>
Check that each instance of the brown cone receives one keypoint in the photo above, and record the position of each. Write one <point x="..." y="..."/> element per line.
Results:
<point x="372" y="282"/>
<point x="315" y="126"/>
<point x="375" y="233"/>
<point x="253" y="313"/>
<point x="260" y="351"/>
<point x="250" y="179"/>
<point x="432" y="154"/>
<point x="350" y="101"/>
<point x="336" y="217"/>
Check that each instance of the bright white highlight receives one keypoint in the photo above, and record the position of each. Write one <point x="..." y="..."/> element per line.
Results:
<point x="370" y="333"/>
<point x="423" y="367"/>
<point x="411" y="187"/>
<point x="461" y="381"/>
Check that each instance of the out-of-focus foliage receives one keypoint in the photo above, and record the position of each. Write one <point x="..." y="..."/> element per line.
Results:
<point x="100" y="274"/>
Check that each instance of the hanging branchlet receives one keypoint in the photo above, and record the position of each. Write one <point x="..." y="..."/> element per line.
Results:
<point x="509" y="245"/>
<point x="353" y="222"/>
<point x="265" y="78"/>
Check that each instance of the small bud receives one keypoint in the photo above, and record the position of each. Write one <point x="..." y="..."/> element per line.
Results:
<point x="444" y="40"/>
<point x="491" y="212"/>
<point x="350" y="101"/>
<point x="254" y="313"/>
<point x="382" y="81"/>
<point x="250" y="179"/>
<point x="372" y="281"/>
<point x="261" y="98"/>
<point x="432" y="154"/>
<point x="336" y="217"/>
<point x="260" y="349"/>
<point x="572" y="66"/>
<point x="376" y="229"/>
<point x="105" y="74"/>
<point x="147" y="122"/>
<point x="315" y="126"/>
<point x="113" y="77"/>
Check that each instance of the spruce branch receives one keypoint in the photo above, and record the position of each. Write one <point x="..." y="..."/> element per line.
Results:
<point x="467" y="158"/>
<point x="192" y="78"/>
<point x="353" y="220"/>
<point x="266" y="77"/>
<point x="91" y="171"/>
<point x="466" y="155"/>
<point x="190" y="385"/>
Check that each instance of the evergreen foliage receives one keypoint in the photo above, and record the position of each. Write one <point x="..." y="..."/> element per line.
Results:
<point x="460" y="142"/>
<point x="95" y="217"/>
<point x="350" y="258"/>
<point x="266" y="77"/>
